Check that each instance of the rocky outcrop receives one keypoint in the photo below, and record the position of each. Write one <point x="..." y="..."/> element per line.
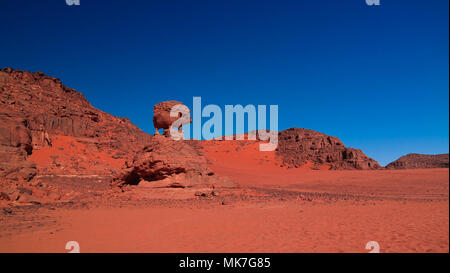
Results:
<point x="164" y="158"/>
<point x="35" y="109"/>
<point x="15" y="146"/>
<point x="420" y="161"/>
<point x="298" y="146"/>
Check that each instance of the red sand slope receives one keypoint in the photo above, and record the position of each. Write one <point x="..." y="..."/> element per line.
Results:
<point x="69" y="156"/>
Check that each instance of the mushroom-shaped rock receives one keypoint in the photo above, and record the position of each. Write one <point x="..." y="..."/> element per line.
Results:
<point x="162" y="118"/>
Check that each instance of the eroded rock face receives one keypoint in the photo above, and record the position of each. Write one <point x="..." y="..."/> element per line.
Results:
<point x="419" y="161"/>
<point x="35" y="109"/>
<point x="165" y="158"/>
<point x="162" y="118"/>
<point x="298" y="146"/>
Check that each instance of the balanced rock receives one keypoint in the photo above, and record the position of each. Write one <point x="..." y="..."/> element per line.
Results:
<point x="162" y="118"/>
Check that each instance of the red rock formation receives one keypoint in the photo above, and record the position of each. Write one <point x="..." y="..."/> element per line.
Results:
<point x="36" y="108"/>
<point x="420" y="161"/>
<point x="39" y="116"/>
<point x="49" y="129"/>
<point x="298" y="146"/>
<point x="162" y="118"/>
<point x="169" y="163"/>
<point x="165" y="158"/>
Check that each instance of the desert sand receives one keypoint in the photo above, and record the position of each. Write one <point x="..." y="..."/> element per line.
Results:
<point x="272" y="209"/>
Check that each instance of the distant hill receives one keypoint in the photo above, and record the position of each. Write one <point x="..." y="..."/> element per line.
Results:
<point x="418" y="161"/>
<point x="297" y="146"/>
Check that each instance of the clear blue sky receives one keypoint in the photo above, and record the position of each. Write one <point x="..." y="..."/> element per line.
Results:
<point x="374" y="76"/>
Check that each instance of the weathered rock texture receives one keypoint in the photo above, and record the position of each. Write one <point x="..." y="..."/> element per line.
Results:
<point x="36" y="110"/>
<point x="298" y="146"/>
<point x="162" y="118"/>
<point x="168" y="160"/>
<point x="419" y="161"/>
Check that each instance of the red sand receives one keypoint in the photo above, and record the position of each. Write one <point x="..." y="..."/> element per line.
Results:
<point x="286" y="227"/>
<point x="304" y="211"/>
<point x="63" y="151"/>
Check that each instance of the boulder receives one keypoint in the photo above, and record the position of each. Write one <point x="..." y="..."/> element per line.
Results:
<point x="162" y="118"/>
<point x="175" y="161"/>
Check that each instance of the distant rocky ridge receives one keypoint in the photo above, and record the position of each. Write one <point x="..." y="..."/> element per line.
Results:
<point x="298" y="146"/>
<point x="419" y="161"/>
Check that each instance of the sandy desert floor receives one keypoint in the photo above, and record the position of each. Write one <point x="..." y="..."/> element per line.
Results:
<point x="274" y="209"/>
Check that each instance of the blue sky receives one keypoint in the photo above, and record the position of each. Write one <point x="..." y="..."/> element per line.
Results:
<point x="374" y="76"/>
